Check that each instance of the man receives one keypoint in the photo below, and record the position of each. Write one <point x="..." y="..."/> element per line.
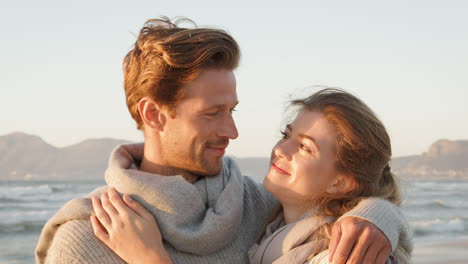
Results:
<point x="181" y="91"/>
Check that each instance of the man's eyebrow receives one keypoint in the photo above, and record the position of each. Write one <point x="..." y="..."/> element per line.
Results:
<point x="218" y="106"/>
<point x="306" y="137"/>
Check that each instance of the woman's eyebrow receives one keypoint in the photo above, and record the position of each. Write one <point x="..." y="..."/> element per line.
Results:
<point x="306" y="137"/>
<point x="311" y="139"/>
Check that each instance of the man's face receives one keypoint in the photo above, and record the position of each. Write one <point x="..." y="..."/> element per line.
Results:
<point x="196" y="138"/>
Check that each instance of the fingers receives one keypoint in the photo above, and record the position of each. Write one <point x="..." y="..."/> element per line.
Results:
<point x="361" y="249"/>
<point x="335" y="239"/>
<point x="108" y="206"/>
<point x="117" y="202"/>
<point x="371" y="253"/>
<point x="380" y="248"/>
<point x="383" y="255"/>
<point x="98" y="230"/>
<point x="101" y="214"/>
<point x="136" y="206"/>
<point x="360" y="242"/>
<point x="343" y="250"/>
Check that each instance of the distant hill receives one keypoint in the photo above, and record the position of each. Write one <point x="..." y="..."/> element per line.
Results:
<point x="445" y="159"/>
<point x="24" y="156"/>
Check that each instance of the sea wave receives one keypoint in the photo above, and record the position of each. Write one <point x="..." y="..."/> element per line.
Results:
<point x="26" y="193"/>
<point x="44" y="194"/>
<point x="429" y="204"/>
<point x="19" y="216"/>
<point x="40" y="198"/>
<point x="436" y="185"/>
<point x="9" y="200"/>
<point x="28" y="189"/>
<point x="429" y="227"/>
<point x="21" y="227"/>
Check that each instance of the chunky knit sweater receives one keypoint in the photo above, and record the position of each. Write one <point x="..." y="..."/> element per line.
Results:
<point x="215" y="220"/>
<point x="289" y="243"/>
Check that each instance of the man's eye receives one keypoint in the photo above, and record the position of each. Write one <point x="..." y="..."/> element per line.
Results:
<point x="232" y="110"/>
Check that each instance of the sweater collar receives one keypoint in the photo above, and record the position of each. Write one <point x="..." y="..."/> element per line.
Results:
<point x="199" y="218"/>
<point x="283" y="244"/>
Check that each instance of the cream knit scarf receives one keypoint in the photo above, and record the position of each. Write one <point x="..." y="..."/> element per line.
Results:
<point x="199" y="218"/>
<point x="288" y="244"/>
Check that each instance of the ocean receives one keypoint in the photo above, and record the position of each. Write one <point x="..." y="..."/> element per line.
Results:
<point x="436" y="210"/>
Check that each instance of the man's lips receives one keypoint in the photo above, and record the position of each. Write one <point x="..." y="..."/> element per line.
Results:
<point x="278" y="169"/>
<point x="218" y="149"/>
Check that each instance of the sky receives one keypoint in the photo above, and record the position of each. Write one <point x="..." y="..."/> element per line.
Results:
<point x="61" y="65"/>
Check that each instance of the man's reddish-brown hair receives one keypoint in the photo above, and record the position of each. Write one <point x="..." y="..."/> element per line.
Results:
<point x="165" y="57"/>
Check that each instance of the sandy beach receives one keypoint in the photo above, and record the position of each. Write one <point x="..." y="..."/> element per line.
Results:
<point x="447" y="253"/>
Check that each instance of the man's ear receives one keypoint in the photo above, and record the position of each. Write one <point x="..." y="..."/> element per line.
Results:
<point x="341" y="184"/>
<point x="152" y="114"/>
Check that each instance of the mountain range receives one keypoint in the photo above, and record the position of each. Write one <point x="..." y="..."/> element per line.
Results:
<point x="24" y="156"/>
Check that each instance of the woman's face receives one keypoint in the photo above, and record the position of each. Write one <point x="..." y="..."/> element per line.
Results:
<point x="302" y="164"/>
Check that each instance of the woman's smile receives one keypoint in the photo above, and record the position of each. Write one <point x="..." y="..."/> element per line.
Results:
<point x="278" y="169"/>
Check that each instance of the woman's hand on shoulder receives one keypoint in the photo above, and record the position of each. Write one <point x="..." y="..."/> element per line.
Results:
<point x="127" y="228"/>
<point x="355" y="240"/>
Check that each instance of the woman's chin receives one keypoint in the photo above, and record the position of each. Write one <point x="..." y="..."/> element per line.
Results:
<point x="271" y="186"/>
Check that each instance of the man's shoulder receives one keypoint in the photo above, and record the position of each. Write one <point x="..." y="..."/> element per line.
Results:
<point x="257" y="196"/>
<point x="75" y="241"/>
<point x="255" y="188"/>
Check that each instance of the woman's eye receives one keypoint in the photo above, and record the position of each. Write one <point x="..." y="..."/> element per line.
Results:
<point x="212" y="114"/>
<point x="305" y="148"/>
<point x="283" y="134"/>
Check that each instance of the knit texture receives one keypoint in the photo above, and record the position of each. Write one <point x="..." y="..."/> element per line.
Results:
<point x="288" y="243"/>
<point x="322" y="258"/>
<point x="387" y="217"/>
<point x="199" y="218"/>
<point x="214" y="220"/>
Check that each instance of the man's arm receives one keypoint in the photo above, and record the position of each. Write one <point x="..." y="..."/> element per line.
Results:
<point x="74" y="242"/>
<point x="368" y="233"/>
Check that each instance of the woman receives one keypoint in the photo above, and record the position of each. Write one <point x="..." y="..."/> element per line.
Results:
<point x="334" y="154"/>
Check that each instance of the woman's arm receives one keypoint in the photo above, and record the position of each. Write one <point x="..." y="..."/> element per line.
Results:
<point x="127" y="228"/>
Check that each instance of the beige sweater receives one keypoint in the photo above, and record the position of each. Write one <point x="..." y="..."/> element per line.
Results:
<point x="289" y="243"/>
<point x="215" y="220"/>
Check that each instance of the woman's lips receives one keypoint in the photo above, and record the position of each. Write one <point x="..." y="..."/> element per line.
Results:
<point x="278" y="169"/>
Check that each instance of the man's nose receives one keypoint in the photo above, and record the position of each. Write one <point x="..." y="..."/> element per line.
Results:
<point x="229" y="128"/>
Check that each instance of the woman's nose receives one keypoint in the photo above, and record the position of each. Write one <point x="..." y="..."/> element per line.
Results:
<point x="282" y="150"/>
